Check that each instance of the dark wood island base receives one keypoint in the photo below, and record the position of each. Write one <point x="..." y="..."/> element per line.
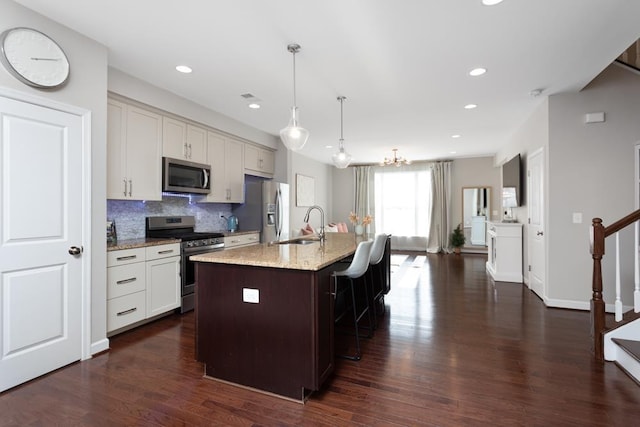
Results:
<point x="281" y="344"/>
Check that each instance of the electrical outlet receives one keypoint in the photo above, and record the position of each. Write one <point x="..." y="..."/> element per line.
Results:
<point x="251" y="295"/>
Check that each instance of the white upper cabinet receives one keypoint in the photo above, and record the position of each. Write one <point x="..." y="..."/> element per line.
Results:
<point x="259" y="161"/>
<point x="225" y="156"/>
<point x="184" y="141"/>
<point x="134" y="151"/>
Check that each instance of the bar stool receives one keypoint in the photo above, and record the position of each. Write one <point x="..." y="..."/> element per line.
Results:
<point x="376" y="286"/>
<point x="356" y="270"/>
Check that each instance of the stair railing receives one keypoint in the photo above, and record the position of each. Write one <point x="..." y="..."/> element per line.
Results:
<point x="597" y="242"/>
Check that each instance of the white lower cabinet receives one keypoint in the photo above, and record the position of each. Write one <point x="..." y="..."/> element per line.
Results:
<point x="241" y="240"/>
<point x="163" y="280"/>
<point x="142" y="283"/>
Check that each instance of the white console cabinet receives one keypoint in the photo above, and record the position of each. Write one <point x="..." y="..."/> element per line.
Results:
<point x="504" y="241"/>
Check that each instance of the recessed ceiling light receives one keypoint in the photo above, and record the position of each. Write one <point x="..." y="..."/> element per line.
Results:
<point x="328" y="146"/>
<point x="452" y="152"/>
<point x="491" y="2"/>
<point x="470" y="106"/>
<point x="184" y="69"/>
<point x="254" y="105"/>
<point x="477" y="71"/>
<point x="456" y="136"/>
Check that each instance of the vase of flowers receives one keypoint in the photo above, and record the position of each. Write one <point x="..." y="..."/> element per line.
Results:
<point x="358" y="225"/>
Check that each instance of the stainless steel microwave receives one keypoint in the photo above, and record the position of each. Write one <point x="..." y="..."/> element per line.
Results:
<point x="181" y="176"/>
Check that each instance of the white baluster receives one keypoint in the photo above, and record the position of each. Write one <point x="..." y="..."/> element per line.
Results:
<point x="618" y="305"/>
<point x="636" y="291"/>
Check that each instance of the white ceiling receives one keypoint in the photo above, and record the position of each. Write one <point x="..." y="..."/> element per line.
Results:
<point x="403" y="65"/>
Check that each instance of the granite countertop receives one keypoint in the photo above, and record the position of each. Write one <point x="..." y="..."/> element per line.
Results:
<point x="312" y="256"/>
<point x="138" y="243"/>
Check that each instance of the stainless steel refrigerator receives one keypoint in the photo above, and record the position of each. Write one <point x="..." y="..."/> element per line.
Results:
<point x="265" y="208"/>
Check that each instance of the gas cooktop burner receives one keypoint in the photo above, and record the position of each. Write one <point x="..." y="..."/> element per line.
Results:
<point x="178" y="227"/>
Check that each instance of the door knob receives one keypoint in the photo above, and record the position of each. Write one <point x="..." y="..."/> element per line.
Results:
<point x="74" y="250"/>
<point x="539" y="233"/>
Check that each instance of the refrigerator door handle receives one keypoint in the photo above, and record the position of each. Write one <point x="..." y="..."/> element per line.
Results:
<point x="278" y="214"/>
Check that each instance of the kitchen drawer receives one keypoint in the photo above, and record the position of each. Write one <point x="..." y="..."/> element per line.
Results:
<point x="125" y="279"/>
<point x="163" y="251"/>
<point x="241" y="240"/>
<point x="125" y="310"/>
<point x="125" y="256"/>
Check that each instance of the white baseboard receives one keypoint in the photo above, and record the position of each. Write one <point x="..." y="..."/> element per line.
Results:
<point x="570" y="304"/>
<point x="99" y="346"/>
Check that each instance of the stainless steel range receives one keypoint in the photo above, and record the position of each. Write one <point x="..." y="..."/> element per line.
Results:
<point x="193" y="243"/>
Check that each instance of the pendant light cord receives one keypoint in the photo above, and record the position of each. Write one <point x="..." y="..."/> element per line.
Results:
<point x="294" y="78"/>
<point x="341" y="98"/>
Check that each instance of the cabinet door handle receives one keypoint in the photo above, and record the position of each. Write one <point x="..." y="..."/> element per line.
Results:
<point x="125" y="186"/>
<point x="185" y="152"/>
<point x="125" y="281"/>
<point x="190" y="151"/>
<point x="168" y="251"/>
<point x="125" y="258"/>
<point x="124" y="313"/>
<point x="130" y="187"/>
<point x="539" y="233"/>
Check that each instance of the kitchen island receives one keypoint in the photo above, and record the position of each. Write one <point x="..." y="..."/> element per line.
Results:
<point x="264" y="314"/>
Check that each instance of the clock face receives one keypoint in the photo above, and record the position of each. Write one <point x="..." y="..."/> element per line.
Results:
<point x="33" y="58"/>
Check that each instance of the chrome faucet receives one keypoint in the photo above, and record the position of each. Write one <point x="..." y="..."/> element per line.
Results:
<point x="306" y="219"/>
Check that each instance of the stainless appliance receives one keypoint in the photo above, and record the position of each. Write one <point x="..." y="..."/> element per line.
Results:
<point x="266" y="209"/>
<point x="181" y="176"/>
<point x="193" y="243"/>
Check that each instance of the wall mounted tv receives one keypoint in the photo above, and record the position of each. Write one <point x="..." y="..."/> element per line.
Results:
<point x="511" y="177"/>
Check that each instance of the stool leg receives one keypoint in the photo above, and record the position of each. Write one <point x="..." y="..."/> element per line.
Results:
<point x="357" y="355"/>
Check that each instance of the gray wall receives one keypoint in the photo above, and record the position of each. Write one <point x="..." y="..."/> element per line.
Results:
<point x="322" y="176"/>
<point x="591" y="170"/>
<point x="87" y="88"/>
<point x="474" y="172"/>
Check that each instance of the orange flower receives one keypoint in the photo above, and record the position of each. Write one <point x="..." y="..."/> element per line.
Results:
<point x="353" y="218"/>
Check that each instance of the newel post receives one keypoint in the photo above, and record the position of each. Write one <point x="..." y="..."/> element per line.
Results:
<point x="597" y="303"/>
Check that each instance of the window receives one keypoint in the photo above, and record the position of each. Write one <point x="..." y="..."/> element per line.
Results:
<point x="402" y="199"/>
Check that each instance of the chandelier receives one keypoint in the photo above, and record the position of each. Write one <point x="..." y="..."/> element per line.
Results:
<point x="294" y="136"/>
<point x="396" y="160"/>
<point x="341" y="159"/>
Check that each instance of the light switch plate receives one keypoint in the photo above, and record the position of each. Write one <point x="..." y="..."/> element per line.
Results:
<point x="251" y="295"/>
<point x="577" y="217"/>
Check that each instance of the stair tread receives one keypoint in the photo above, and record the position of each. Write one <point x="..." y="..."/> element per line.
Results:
<point x="630" y="346"/>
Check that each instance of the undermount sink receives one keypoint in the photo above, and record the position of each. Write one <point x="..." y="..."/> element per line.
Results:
<point x="303" y="242"/>
<point x="295" y="242"/>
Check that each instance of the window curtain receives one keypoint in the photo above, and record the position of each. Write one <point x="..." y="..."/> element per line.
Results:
<point x="403" y="205"/>
<point x="441" y="208"/>
<point x="365" y="195"/>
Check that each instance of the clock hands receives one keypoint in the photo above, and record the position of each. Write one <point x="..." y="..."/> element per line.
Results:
<point x="44" y="59"/>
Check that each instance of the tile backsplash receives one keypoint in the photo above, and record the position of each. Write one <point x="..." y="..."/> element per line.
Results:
<point x="129" y="215"/>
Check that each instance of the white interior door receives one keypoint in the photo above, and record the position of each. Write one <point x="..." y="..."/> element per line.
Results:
<point x="536" y="238"/>
<point x="40" y="221"/>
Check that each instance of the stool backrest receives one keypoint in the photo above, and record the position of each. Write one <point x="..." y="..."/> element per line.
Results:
<point x="360" y="261"/>
<point x="377" y="250"/>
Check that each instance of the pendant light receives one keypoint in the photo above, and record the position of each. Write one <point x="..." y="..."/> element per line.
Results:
<point x="293" y="136"/>
<point x="341" y="159"/>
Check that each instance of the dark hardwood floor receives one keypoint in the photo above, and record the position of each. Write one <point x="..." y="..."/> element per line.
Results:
<point x="454" y="348"/>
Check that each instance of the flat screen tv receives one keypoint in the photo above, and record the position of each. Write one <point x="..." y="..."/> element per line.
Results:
<point x="511" y="178"/>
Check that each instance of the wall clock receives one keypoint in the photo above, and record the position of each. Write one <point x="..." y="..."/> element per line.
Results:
<point x="33" y="58"/>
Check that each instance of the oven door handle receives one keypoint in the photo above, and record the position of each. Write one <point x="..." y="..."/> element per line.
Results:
<point x="202" y="249"/>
